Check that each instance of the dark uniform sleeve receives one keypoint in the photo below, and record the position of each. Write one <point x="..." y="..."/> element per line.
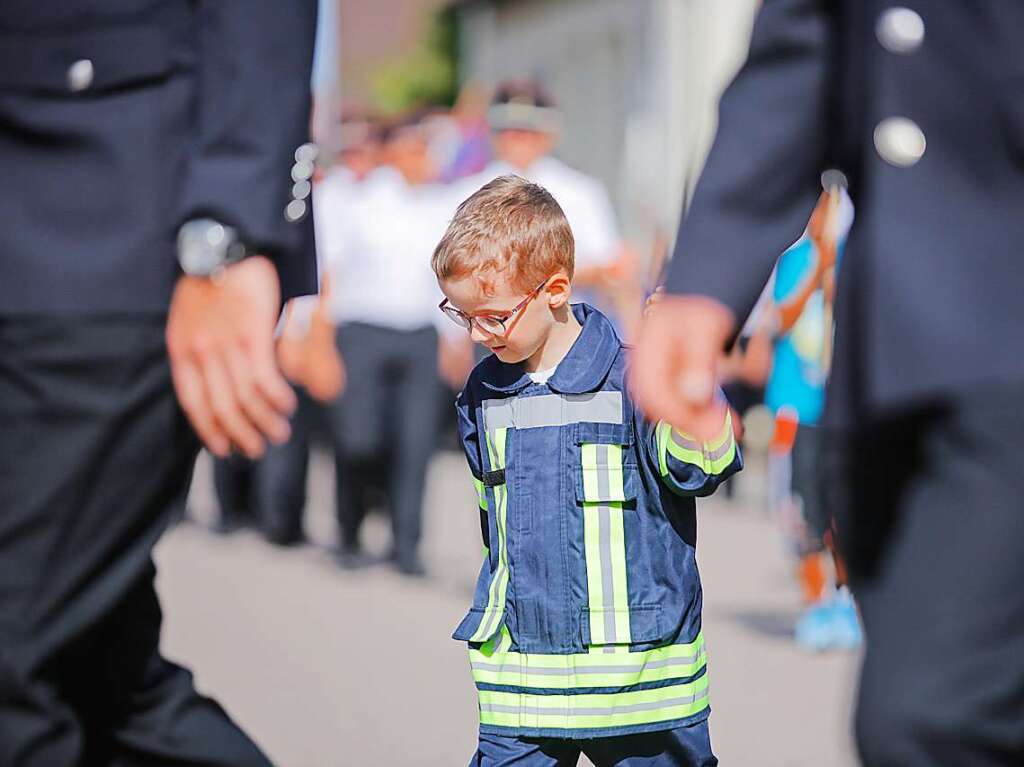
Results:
<point x="253" y="109"/>
<point x="760" y="182"/>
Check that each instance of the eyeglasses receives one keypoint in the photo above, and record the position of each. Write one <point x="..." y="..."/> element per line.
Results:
<point x="494" y="324"/>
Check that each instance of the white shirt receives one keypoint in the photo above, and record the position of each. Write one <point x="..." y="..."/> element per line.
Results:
<point x="375" y="238"/>
<point x="582" y="198"/>
<point x="542" y="376"/>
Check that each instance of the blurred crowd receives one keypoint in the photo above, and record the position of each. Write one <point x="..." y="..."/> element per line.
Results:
<point x="381" y="365"/>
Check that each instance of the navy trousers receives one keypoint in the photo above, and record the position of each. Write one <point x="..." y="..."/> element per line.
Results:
<point x="681" y="747"/>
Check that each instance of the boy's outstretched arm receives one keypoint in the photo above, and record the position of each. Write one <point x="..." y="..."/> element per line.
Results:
<point x="689" y="466"/>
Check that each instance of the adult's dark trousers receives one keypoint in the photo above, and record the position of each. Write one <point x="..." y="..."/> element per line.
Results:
<point x="95" y="457"/>
<point x="932" y="527"/>
<point x="385" y="426"/>
<point x="279" y="477"/>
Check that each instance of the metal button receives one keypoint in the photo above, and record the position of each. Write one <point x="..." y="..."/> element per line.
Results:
<point x="302" y="170"/>
<point x="80" y="75"/>
<point x="900" y="30"/>
<point x="899" y="141"/>
<point x="833" y="178"/>
<point x="301" y="189"/>
<point x="295" y="211"/>
<point x="307" y="152"/>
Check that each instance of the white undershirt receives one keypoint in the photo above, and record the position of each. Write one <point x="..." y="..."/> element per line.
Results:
<point x="542" y="376"/>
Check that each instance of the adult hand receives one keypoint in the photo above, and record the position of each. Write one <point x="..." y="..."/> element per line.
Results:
<point x="674" y="366"/>
<point x="220" y="338"/>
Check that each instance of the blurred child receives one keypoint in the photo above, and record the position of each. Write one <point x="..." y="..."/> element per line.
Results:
<point x="801" y="320"/>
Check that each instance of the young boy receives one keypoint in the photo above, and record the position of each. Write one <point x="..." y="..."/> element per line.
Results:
<point x="585" y="629"/>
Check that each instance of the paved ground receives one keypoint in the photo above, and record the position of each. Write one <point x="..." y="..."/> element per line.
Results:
<point x="329" y="669"/>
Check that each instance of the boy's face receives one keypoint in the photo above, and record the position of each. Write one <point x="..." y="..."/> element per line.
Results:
<point x="527" y="331"/>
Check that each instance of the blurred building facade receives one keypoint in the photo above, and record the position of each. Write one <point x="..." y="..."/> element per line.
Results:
<point x="638" y="83"/>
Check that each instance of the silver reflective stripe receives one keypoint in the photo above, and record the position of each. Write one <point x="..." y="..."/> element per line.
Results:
<point x="506" y="668"/>
<point x="685" y="442"/>
<point x="604" y="527"/>
<point x="553" y="410"/>
<point x="629" y="708"/>
<point x="714" y="455"/>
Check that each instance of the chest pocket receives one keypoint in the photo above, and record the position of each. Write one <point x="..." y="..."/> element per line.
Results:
<point x="606" y="492"/>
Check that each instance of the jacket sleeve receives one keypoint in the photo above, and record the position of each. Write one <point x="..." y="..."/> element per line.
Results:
<point x="687" y="466"/>
<point x="761" y="179"/>
<point x="251" y="113"/>
<point x="470" y="441"/>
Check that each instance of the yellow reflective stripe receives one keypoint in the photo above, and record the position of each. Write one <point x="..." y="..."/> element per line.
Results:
<point x="481" y="492"/>
<point x="499" y="580"/>
<point x="619" y="668"/>
<point x="522" y="710"/>
<point x="604" y="544"/>
<point x="711" y="457"/>
<point x="595" y="588"/>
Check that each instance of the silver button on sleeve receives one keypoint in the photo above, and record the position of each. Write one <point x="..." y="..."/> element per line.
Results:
<point x="899" y="141"/>
<point x="900" y="30"/>
<point x="80" y="75"/>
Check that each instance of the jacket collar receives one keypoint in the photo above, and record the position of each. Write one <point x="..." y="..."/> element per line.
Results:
<point x="582" y="370"/>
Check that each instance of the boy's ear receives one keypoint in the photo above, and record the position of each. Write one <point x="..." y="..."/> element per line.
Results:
<point x="559" y="290"/>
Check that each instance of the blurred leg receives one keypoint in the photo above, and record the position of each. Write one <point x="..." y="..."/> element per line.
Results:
<point x="416" y="434"/>
<point x="681" y="747"/>
<point x="504" y="751"/>
<point x="933" y="544"/>
<point x="357" y="422"/>
<point x="96" y="456"/>
<point x="232" y="481"/>
<point x="280" y="478"/>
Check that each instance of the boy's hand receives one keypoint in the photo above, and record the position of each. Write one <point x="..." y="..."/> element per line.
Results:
<point x="673" y="374"/>
<point x="220" y="338"/>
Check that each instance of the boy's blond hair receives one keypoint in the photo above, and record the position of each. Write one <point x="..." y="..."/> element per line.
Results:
<point x="509" y="227"/>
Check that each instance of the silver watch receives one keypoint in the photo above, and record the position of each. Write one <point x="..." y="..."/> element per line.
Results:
<point x="206" y="246"/>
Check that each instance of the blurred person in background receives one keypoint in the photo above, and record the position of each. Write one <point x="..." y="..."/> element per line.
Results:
<point x="309" y="358"/>
<point x="920" y="107"/>
<point x="526" y="127"/>
<point x="473" y="150"/>
<point x="125" y="126"/>
<point x="377" y="252"/>
<point x="270" y="494"/>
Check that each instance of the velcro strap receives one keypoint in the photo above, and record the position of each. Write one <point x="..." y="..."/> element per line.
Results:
<point x="494" y="478"/>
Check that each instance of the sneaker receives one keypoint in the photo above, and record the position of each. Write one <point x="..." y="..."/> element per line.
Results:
<point x="352" y="557"/>
<point x="814" y="629"/>
<point x="410" y="565"/>
<point x="846" y="622"/>
<point x="830" y="624"/>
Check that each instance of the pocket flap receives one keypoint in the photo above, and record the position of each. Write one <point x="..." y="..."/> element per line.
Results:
<point x="467" y="628"/>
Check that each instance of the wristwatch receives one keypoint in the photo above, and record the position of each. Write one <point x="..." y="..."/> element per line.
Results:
<point x="206" y="247"/>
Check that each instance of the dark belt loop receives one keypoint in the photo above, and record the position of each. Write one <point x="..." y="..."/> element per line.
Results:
<point x="494" y="478"/>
